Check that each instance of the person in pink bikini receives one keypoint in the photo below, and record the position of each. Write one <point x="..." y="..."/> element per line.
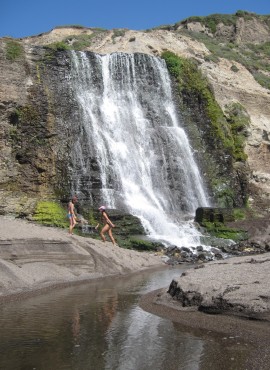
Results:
<point x="108" y="225"/>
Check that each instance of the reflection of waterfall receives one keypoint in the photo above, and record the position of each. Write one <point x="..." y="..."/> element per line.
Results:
<point x="130" y="126"/>
<point x="153" y="340"/>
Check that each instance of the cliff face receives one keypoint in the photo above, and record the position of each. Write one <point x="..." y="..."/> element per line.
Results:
<point x="33" y="143"/>
<point x="35" y="138"/>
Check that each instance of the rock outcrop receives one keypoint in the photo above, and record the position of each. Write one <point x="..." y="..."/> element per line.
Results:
<point x="238" y="286"/>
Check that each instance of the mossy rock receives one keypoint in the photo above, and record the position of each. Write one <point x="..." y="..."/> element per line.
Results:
<point x="214" y="215"/>
<point x="219" y="230"/>
<point x="139" y="244"/>
<point x="51" y="213"/>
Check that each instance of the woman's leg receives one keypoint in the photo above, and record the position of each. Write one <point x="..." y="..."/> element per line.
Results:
<point x="72" y="224"/>
<point x="104" y="230"/>
<point x="111" y="235"/>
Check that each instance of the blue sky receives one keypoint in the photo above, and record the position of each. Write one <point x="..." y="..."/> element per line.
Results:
<point x="20" y="18"/>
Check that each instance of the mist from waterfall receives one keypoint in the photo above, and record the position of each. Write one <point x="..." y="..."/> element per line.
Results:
<point x="129" y="122"/>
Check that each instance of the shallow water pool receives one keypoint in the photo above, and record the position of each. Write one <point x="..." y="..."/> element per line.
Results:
<point x="99" y="325"/>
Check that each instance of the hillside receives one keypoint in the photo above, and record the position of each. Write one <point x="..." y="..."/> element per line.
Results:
<point x="232" y="51"/>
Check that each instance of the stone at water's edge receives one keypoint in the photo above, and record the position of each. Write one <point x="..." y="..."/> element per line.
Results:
<point x="238" y="286"/>
<point x="211" y="214"/>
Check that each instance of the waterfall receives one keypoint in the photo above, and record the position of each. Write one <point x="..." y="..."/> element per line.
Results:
<point x="129" y="124"/>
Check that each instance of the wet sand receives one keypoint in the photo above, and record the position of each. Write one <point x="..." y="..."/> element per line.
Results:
<point x="256" y="333"/>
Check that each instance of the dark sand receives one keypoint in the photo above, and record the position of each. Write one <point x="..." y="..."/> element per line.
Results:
<point x="256" y="333"/>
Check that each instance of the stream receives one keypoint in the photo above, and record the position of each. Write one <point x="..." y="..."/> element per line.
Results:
<point x="99" y="325"/>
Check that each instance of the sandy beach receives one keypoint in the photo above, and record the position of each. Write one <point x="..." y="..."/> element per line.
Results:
<point x="34" y="258"/>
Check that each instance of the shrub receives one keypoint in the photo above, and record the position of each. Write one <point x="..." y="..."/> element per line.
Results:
<point x="262" y="79"/>
<point x="14" y="50"/>
<point x="58" y="46"/>
<point x="117" y="33"/>
<point x="255" y="57"/>
<point x="211" y="58"/>
<point x="79" y="42"/>
<point x="234" y="68"/>
<point x="211" y="21"/>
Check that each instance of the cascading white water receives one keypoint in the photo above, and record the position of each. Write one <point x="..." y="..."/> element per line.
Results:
<point x="130" y="122"/>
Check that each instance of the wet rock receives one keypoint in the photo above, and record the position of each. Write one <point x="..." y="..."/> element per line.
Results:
<point x="211" y="214"/>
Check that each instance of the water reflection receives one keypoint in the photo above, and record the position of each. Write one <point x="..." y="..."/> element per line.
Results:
<point x="100" y="326"/>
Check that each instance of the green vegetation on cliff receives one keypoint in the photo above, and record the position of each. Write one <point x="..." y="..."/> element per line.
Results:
<point x="50" y="213"/>
<point x="254" y="56"/>
<point x="228" y="43"/>
<point x="14" y="50"/>
<point x="190" y="79"/>
<point x="239" y="121"/>
<point x="211" y="21"/>
<point x="219" y="230"/>
<point x="77" y="42"/>
<point x="219" y="136"/>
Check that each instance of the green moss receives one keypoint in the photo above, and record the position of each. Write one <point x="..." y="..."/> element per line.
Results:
<point x="14" y="50"/>
<point x="138" y="244"/>
<point x="142" y="245"/>
<point x="50" y="213"/>
<point x="220" y="231"/>
<point x="239" y="214"/>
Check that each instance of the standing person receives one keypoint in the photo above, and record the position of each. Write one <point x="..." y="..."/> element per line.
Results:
<point x="71" y="214"/>
<point x="108" y="225"/>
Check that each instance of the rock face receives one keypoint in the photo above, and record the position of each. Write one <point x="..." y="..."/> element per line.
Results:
<point x="235" y="286"/>
<point x="208" y="214"/>
<point x="35" y="139"/>
<point x="29" y="135"/>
